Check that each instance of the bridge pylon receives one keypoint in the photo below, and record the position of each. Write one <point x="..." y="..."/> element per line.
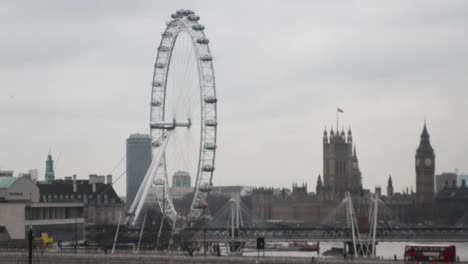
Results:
<point x="363" y="247"/>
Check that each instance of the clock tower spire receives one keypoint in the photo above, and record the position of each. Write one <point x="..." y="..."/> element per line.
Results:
<point x="425" y="168"/>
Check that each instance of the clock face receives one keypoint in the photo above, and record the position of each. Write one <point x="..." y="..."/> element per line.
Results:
<point x="428" y="162"/>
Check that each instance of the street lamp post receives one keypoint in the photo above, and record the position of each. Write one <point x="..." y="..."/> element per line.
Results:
<point x="204" y="233"/>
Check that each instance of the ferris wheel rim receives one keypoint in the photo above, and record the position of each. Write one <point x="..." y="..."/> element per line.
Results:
<point x="182" y="23"/>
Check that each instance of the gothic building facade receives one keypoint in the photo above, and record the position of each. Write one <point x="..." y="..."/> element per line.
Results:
<point x="425" y="169"/>
<point x="341" y="172"/>
<point x="425" y="175"/>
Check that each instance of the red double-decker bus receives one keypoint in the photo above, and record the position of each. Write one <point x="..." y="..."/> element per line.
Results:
<point x="430" y="253"/>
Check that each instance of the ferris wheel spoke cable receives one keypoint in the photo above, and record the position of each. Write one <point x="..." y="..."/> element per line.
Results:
<point x="187" y="152"/>
<point x="183" y="106"/>
<point x="177" y="80"/>
<point x="184" y="152"/>
<point x="189" y="70"/>
<point x="190" y="94"/>
<point x="184" y="82"/>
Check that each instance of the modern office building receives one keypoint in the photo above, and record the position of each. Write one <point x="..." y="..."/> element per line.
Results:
<point x="139" y="156"/>
<point x="181" y="179"/>
<point x="462" y="177"/>
<point x="444" y="180"/>
<point x="181" y="185"/>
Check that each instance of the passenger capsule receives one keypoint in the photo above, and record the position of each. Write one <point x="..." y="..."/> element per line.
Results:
<point x="210" y="146"/>
<point x="164" y="48"/>
<point x="156" y="103"/>
<point x="159" y="182"/>
<point x="157" y="84"/>
<point x="201" y="205"/>
<point x="160" y="65"/>
<point x="184" y="12"/>
<point x="167" y="34"/>
<point x="206" y="58"/>
<point x="205" y="188"/>
<point x="198" y="27"/>
<point x="211" y="100"/>
<point x="211" y="123"/>
<point x="208" y="168"/>
<point x="202" y="41"/>
<point x="193" y="18"/>
<point x="175" y="15"/>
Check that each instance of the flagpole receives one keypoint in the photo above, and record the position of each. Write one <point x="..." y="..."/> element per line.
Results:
<point x="337" y="114"/>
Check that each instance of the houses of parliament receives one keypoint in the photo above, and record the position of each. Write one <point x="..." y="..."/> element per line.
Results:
<point x="341" y="174"/>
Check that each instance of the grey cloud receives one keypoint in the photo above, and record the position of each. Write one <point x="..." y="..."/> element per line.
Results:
<point x="76" y="76"/>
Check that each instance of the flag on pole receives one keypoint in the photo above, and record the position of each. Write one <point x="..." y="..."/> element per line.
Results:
<point x="339" y="110"/>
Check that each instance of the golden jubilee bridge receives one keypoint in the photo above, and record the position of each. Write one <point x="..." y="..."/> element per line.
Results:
<point x="235" y="225"/>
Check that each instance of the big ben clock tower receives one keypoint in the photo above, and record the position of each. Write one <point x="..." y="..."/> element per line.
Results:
<point x="425" y="168"/>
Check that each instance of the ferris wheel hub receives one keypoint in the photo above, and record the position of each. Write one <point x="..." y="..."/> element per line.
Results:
<point x="171" y="124"/>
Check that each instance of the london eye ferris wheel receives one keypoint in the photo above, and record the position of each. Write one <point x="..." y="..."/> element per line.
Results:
<point x="183" y="116"/>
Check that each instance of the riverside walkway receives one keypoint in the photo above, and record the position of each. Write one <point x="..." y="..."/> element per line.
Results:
<point x="55" y="258"/>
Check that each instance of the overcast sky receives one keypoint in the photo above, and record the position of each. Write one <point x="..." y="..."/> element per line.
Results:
<point x="76" y="78"/>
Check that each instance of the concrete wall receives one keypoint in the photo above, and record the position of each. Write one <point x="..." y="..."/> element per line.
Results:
<point x="23" y="189"/>
<point x="12" y="217"/>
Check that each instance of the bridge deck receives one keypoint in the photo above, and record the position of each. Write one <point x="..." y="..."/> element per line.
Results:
<point x="422" y="234"/>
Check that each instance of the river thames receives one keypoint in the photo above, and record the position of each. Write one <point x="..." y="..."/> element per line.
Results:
<point x="386" y="250"/>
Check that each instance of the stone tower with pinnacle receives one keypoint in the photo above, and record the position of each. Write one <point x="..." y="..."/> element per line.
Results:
<point x="49" y="173"/>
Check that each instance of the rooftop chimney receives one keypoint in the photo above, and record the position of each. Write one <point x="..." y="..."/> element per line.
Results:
<point x="74" y="183"/>
<point x="109" y="179"/>
<point x="92" y="178"/>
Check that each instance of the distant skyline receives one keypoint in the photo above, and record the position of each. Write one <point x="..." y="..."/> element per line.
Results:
<point x="76" y="79"/>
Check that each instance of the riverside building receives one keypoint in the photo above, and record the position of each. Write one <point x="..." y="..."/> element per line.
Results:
<point x="22" y="209"/>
